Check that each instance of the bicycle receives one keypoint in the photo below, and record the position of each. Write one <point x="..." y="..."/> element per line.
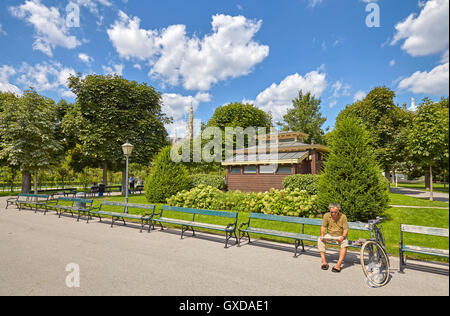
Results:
<point x="374" y="260"/>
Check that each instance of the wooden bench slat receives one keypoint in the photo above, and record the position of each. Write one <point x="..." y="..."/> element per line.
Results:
<point x="434" y="231"/>
<point x="426" y="250"/>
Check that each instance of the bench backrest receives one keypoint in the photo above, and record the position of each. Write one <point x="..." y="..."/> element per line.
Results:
<point x="199" y="211"/>
<point x="129" y="205"/>
<point x="424" y="230"/>
<point x="39" y="196"/>
<point x="304" y="220"/>
<point x="69" y="199"/>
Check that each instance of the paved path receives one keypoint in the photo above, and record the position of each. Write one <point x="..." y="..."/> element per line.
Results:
<point x="437" y="196"/>
<point x="35" y="250"/>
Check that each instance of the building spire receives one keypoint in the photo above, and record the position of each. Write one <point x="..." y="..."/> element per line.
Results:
<point x="190" y="124"/>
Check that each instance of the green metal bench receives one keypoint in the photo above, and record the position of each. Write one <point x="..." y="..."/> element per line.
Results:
<point x="245" y="229"/>
<point x="423" y="230"/>
<point x="31" y="200"/>
<point x="229" y="229"/>
<point x="78" y="205"/>
<point x="145" y="219"/>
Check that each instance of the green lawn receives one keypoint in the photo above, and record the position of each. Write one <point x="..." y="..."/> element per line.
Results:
<point x="400" y="199"/>
<point x="421" y="186"/>
<point x="396" y="216"/>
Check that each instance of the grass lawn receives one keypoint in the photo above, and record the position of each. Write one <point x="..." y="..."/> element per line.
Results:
<point x="400" y="199"/>
<point x="396" y="216"/>
<point x="421" y="186"/>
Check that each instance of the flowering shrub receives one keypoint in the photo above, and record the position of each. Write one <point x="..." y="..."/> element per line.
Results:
<point x="290" y="202"/>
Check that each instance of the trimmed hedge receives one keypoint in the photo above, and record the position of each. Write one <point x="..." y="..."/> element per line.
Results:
<point x="307" y="182"/>
<point x="211" y="180"/>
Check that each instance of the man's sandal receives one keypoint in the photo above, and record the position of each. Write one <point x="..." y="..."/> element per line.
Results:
<point x="336" y="270"/>
<point x="325" y="266"/>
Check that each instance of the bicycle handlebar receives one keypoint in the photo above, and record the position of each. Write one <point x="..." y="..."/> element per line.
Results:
<point x="376" y="221"/>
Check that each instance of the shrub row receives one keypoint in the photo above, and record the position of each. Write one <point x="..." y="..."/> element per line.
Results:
<point x="277" y="202"/>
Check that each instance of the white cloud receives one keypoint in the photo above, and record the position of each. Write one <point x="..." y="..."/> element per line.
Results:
<point x="85" y="58"/>
<point x="392" y="63"/>
<point x="427" y="33"/>
<point x="6" y="72"/>
<point x="177" y="106"/>
<point x="340" y="89"/>
<point x="46" y="77"/>
<point x="435" y="82"/>
<point x="196" y="63"/>
<point x="50" y="27"/>
<point x="313" y="3"/>
<point x="278" y="97"/>
<point x="360" y="95"/>
<point x="2" y="32"/>
<point x="116" y="69"/>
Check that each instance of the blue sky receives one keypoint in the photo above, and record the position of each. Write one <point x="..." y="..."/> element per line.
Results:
<point x="210" y="53"/>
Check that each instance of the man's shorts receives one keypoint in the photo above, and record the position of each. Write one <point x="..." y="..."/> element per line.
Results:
<point x="322" y="245"/>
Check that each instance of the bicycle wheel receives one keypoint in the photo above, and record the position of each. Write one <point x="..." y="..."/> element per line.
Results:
<point x="375" y="263"/>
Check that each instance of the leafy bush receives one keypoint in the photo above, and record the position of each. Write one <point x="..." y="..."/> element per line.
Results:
<point x="307" y="182"/>
<point x="351" y="176"/>
<point x="211" y="180"/>
<point x="285" y="202"/>
<point x="166" y="178"/>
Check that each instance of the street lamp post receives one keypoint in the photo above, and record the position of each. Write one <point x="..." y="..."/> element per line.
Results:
<point x="127" y="150"/>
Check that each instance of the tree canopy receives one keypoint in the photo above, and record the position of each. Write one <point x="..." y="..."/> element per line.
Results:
<point x="305" y="117"/>
<point x="111" y="110"/>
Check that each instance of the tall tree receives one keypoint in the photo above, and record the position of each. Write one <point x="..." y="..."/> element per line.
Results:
<point x="428" y="140"/>
<point x="305" y="117"/>
<point x="386" y="124"/>
<point x="28" y="135"/>
<point x="351" y="174"/>
<point x="111" y="110"/>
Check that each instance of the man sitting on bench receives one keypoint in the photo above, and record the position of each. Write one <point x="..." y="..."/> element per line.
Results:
<point x="334" y="228"/>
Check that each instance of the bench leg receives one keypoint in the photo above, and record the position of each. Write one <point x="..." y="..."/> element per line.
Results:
<point x="227" y="237"/>
<point x="402" y="260"/>
<point x="297" y="242"/>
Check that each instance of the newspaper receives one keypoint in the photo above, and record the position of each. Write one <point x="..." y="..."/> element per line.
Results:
<point x="329" y="239"/>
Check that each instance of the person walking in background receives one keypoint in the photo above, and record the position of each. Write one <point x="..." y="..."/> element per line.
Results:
<point x="132" y="181"/>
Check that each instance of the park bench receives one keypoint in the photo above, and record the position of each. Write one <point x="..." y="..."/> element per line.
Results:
<point x="245" y="229"/>
<point x="29" y="200"/>
<point x="62" y="191"/>
<point x="144" y="219"/>
<point x="113" y="188"/>
<point x="139" y="189"/>
<point x="229" y="229"/>
<point x="423" y="230"/>
<point x="78" y="205"/>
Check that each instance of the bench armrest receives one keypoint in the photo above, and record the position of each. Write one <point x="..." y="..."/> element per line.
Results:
<point x="243" y="224"/>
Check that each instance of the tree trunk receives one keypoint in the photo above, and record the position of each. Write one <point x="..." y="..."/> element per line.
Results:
<point x="124" y="181"/>
<point x="427" y="179"/>
<point x="105" y="173"/>
<point x="431" y="183"/>
<point x="35" y="182"/>
<point x="387" y="175"/>
<point x="26" y="182"/>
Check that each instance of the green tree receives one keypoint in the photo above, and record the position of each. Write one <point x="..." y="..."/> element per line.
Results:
<point x="111" y="110"/>
<point x="240" y="115"/>
<point x="351" y="175"/>
<point x="28" y="138"/>
<point x="166" y="178"/>
<point x="428" y="140"/>
<point x="386" y="123"/>
<point x="305" y="117"/>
